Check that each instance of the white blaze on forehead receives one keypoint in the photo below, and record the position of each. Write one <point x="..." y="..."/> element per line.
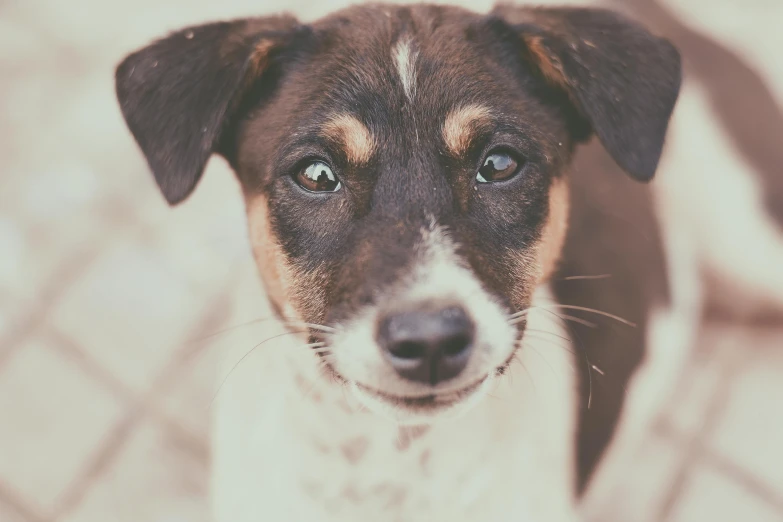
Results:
<point x="405" y="59"/>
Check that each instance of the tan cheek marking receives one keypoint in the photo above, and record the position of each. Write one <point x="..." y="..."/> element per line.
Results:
<point x="553" y="237"/>
<point x="299" y="295"/>
<point x="267" y="252"/>
<point x="461" y="125"/>
<point x="531" y="268"/>
<point x="355" y="137"/>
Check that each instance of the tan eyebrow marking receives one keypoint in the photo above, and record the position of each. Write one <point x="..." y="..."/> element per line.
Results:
<point x="354" y="136"/>
<point x="461" y="125"/>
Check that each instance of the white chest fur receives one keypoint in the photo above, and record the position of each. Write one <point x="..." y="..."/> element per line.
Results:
<point x="290" y="447"/>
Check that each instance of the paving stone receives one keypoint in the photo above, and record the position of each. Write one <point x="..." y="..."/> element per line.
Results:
<point x="638" y="495"/>
<point x="131" y="312"/>
<point x="7" y="514"/>
<point x="154" y="478"/>
<point x="751" y="429"/>
<point x="53" y="418"/>
<point x="710" y="496"/>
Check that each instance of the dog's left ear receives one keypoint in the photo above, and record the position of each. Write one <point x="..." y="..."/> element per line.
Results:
<point x="622" y="79"/>
<point x="179" y="94"/>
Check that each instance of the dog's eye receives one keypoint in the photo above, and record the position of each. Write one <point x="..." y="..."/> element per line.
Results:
<point x="497" y="167"/>
<point x="318" y="177"/>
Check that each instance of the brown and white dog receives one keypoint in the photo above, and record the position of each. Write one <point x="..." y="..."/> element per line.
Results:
<point x="474" y="297"/>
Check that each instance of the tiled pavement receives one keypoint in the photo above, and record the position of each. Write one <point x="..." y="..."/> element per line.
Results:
<point x="108" y="298"/>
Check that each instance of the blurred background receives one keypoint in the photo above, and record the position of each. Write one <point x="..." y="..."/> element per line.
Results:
<point x="113" y="307"/>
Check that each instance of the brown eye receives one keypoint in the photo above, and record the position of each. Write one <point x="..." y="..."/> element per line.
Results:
<point x="497" y="167"/>
<point x="318" y="177"/>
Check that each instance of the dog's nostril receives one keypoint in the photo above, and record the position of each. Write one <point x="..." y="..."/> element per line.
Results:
<point x="428" y="344"/>
<point x="408" y="350"/>
<point x="456" y="345"/>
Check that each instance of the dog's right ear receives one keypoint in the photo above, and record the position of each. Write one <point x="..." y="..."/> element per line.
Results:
<point x="178" y="93"/>
<point x="621" y="78"/>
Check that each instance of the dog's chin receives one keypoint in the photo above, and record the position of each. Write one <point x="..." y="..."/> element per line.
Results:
<point x="424" y="409"/>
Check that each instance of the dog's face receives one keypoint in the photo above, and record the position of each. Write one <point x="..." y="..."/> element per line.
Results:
<point x="404" y="169"/>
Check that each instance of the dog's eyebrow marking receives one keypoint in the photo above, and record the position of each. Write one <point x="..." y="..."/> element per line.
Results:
<point x="354" y="136"/>
<point x="461" y="125"/>
<point x="405" y="58"/>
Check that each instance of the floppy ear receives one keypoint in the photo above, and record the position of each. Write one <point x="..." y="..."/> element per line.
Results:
<point x="622" y="79"/>
<point x="178" y="93"/>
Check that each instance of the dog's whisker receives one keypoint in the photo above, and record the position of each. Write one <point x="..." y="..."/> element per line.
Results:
<point x="582" y="350"/>
<point x="529" y="375"/>
<point x="314" y="326"/>
<point x="232" y="328"/>
<point x="556" y="341"/>
<point x="547" y="332"/>
<point x="542" y="357"/>
<point x="578" y="320"/>
<point x="346" y="397"/>
<point x="253" y="349"/>
<point x="566" y="317"/>
<point x="590" y="384"/>
<point x="521" y="313"/>
<point x="520" y="316"/>
<point x="551" y="341"/>
<point x="587" y="277"/>
<point x="592" y="310"/>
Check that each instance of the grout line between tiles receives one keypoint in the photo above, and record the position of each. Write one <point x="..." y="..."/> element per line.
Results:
<point x="47" y="299"/>
<point x="720" y="463"/>
<point x="99" y="461"/>
<point x="746" y="480"/>
<point x="64" y="276"/>
<point x="10" y="499"/>
<point x="144" y="407"/>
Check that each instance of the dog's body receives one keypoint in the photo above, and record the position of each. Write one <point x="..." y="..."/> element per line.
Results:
<point x="482" y="304"/>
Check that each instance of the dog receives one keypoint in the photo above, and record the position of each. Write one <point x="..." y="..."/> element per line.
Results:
<point x="451" y="210"/>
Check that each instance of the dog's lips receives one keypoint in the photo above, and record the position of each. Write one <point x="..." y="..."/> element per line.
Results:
<point x="434" y="400"/>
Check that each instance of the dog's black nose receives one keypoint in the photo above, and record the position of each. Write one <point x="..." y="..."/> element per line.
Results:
<point x="427" y="345"/>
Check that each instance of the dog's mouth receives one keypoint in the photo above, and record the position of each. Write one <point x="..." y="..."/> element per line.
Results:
<point x="430" y="402"/>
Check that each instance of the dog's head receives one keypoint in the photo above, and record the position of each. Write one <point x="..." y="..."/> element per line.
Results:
<point x="404" y="168"/>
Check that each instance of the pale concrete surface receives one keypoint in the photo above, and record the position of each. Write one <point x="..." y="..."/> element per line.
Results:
<point x="107" y="296"/>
